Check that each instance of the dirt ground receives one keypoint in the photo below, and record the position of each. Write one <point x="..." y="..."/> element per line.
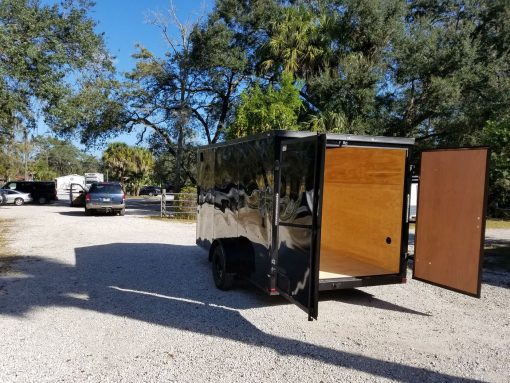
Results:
<point x="129" y="299"/>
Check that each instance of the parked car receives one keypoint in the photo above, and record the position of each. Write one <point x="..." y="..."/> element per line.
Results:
<point x="41" y="191"/>
<point x="16" y="197"/>
<point x="107" y="197"/>
<point x="150" y="190"/>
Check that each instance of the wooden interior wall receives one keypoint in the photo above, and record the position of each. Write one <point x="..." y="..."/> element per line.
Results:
<point x="362" y="211"/>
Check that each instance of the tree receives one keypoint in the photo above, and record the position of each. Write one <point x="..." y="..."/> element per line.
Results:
<point x="132" y="165"/>
<point x="164" y="165"/>
<point x="261" y="109"/>
<point x="42" y="48"/>
<point x="51" y="155"/>
<point x="185" y="95"/>
<point x="446" y="81"/>
<point x="496" y="135"/>
<point x="295" y="42"/>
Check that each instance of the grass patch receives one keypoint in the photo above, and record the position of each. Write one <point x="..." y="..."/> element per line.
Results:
<point x="131" y="197"/>
<point x="171" y="219"/>
<point x="6" y="256"/>
<point x="497" y="224"/>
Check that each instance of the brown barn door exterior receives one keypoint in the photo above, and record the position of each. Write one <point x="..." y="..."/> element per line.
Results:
<point x="450" y="227"/>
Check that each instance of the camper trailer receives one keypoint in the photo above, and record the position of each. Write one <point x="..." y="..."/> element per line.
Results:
<point x="297" y="213"/>
<point x="64" y="184"/>
<point x="90" y="178"/>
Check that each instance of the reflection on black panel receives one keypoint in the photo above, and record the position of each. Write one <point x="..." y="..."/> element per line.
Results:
<point x="255" y="163"/>
<point x="205" y="202"/>
<point x="295" y="229"/>
<point x="297" y="183"/>
<point x="294" y="262"/>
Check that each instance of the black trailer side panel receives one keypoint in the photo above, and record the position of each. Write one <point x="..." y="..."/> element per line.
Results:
<point x="255" y="208"/>
<point x="226" y="193"/>
<point x="205" y="203"/>
<point x="235" y="201"/>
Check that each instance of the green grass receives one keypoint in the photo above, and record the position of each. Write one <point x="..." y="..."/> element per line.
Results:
<point x="171" y="219"/>
<point x="489" y="224"/>
<point x="497" y="224"/>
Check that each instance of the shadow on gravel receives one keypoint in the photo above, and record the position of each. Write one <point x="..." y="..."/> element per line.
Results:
<point x="77" y="213"/>
<point x="362" y="298"/>
<point x="496" y="263"/>
<point x="81" y="213"/>
<point x="170" y="285"/>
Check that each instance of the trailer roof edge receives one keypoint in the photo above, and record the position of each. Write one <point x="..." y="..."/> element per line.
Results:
<point x="329" y="136"/>
<point x="374" y="139"/>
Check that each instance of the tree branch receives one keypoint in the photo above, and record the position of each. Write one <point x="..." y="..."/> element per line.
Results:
<point x="166" y="137"/>
<point x="197" y="114"/>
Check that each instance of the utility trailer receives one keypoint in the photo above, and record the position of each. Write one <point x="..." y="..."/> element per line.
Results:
<point x="297" y="213"/>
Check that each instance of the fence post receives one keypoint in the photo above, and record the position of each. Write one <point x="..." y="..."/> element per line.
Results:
<point x="163" y="203"/>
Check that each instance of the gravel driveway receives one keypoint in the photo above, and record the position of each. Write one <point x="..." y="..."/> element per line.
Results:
<point x="128" y="299"/>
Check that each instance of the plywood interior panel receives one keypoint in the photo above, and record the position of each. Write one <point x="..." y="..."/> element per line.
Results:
<point x="334" y="266"/>
<point x="450" y="218"/>
<point x="362" y="211"/>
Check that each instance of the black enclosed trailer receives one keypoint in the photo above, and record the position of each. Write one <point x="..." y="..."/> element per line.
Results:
<point x="297" y="213"/>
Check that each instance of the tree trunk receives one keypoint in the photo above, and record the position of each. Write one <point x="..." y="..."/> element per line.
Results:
<point x="178" y="159"/>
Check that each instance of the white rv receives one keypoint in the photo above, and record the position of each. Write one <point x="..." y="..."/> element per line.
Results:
<point x="90" y="178"/>
<point x="63" y="184"/>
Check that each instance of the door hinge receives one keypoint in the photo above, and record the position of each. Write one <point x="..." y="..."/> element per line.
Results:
<point x="277" y="209"/>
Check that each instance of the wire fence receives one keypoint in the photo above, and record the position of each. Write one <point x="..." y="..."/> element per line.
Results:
<point x="178" y="205"/>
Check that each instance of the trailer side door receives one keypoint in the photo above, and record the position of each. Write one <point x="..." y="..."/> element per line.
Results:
<point x="297" y="217"/>
<point x="450" y="223"/>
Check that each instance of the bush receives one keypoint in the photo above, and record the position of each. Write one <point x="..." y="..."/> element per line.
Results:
<point x="184" y="205"/>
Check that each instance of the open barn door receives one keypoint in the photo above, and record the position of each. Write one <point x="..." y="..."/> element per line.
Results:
<point x="450" y="227"/>
<point x="297" y="216"/>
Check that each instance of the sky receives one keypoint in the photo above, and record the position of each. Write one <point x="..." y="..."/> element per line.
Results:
<point x="125" y="24"/>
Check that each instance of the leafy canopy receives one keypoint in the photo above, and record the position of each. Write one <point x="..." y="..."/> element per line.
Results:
<point x="261" y="109"/>
<point x="44" y="49"/>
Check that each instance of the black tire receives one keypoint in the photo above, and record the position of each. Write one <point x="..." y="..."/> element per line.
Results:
<point x="41" y="200"/>
<point x="88" y="212"/>
<point x="19" y="201"/>
<point x="222" y="279"/>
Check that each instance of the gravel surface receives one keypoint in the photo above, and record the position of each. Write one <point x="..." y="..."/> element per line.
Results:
<point x="128" y="299"/>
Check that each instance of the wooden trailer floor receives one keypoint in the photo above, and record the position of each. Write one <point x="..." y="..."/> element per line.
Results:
<point x="345" y="266"/>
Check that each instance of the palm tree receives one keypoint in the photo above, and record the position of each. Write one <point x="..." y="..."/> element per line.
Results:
<point x="298" y="42"/>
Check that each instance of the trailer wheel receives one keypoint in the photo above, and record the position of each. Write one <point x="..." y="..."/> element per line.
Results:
<point x="222" y="279"/>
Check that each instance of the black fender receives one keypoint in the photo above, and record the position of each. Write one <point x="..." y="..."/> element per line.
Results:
<point x="238" y="252"/>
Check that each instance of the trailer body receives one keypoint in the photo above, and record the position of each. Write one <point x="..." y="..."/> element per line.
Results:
<point x="90" y="178"/>
<point x="297" y="213"/>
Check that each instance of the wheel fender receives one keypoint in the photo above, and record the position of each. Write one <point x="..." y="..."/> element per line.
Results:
<point x="238" y="253"/>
